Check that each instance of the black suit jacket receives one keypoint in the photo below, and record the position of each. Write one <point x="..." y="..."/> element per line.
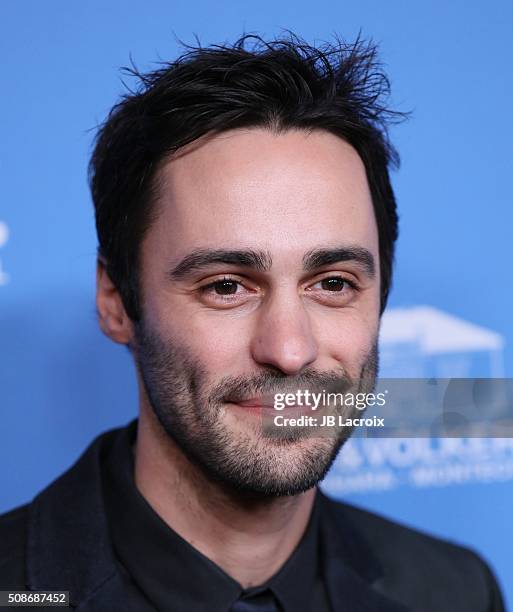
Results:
<point x="61" y="542"/>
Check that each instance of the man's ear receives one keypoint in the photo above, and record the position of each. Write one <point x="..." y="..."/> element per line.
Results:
<point x="112" y="317"/>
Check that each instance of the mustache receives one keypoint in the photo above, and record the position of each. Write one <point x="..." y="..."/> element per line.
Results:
<point x="241" y="388"/>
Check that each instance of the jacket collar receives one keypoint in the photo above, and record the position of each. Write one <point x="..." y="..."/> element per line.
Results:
<point x="69" y="548"/>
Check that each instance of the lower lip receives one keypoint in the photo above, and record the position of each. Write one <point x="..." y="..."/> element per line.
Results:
<point x="255" y="409"/>
<point x="266" y="410"/>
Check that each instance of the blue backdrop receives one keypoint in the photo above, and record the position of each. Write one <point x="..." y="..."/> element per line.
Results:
<point x="61" y="382"/>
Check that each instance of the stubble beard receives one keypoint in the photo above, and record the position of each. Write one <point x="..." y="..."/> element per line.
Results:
<point x="240" y="458"/>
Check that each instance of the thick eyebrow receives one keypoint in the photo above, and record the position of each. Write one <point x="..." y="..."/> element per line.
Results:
<point x="324" y="257"/>
<point x="202" y="258"/>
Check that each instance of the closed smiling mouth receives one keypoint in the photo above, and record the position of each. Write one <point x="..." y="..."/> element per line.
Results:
<point x="254" y="404"/>
<point x="265" y="405"/>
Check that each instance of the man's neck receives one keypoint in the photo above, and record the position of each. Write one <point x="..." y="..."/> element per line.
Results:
<point x="250" y="539"/>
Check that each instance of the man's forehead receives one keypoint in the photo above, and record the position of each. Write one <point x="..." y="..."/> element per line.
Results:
<point x="282" y="200"/>
<point x="256" y="161"/>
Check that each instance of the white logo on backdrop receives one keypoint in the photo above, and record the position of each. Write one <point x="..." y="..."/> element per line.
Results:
<point x="4" y="237"/>
<point x="423" y="342"/>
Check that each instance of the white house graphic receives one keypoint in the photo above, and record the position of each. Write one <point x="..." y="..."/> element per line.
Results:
<point x="423" y="341"/>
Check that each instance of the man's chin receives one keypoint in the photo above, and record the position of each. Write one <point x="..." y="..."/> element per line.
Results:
<point x="275" y="467"/>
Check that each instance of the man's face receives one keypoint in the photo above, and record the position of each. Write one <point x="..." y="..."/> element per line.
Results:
<point x="259" y="275"/>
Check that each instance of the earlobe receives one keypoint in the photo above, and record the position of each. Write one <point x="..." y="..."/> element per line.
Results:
<point x="112" y="317"/>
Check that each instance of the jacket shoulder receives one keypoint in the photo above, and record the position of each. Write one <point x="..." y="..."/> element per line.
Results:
<point x="13" y="527"/>
<point x="419" y="564"/>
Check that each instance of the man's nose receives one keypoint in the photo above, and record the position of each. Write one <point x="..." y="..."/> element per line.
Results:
<point x="283" y="337"/>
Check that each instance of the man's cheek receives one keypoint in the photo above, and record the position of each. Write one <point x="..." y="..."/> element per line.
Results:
<point x="350" y="344"/>
<point x="221" y="345"/>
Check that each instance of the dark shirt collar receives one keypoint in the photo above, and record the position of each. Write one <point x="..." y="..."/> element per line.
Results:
<point x="173" y="574"/>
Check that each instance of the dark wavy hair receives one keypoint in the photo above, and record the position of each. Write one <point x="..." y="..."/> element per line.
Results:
<point x="278" y="85"/>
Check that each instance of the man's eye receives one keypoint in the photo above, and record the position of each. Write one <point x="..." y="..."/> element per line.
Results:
<point x="333" y="284"/>
<point x="334" y="290"/>
<point x="224" y="287"/>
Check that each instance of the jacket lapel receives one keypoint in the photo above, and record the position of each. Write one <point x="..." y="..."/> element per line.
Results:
<point x="353" y="573"/>
<point x="68" y="544"/>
